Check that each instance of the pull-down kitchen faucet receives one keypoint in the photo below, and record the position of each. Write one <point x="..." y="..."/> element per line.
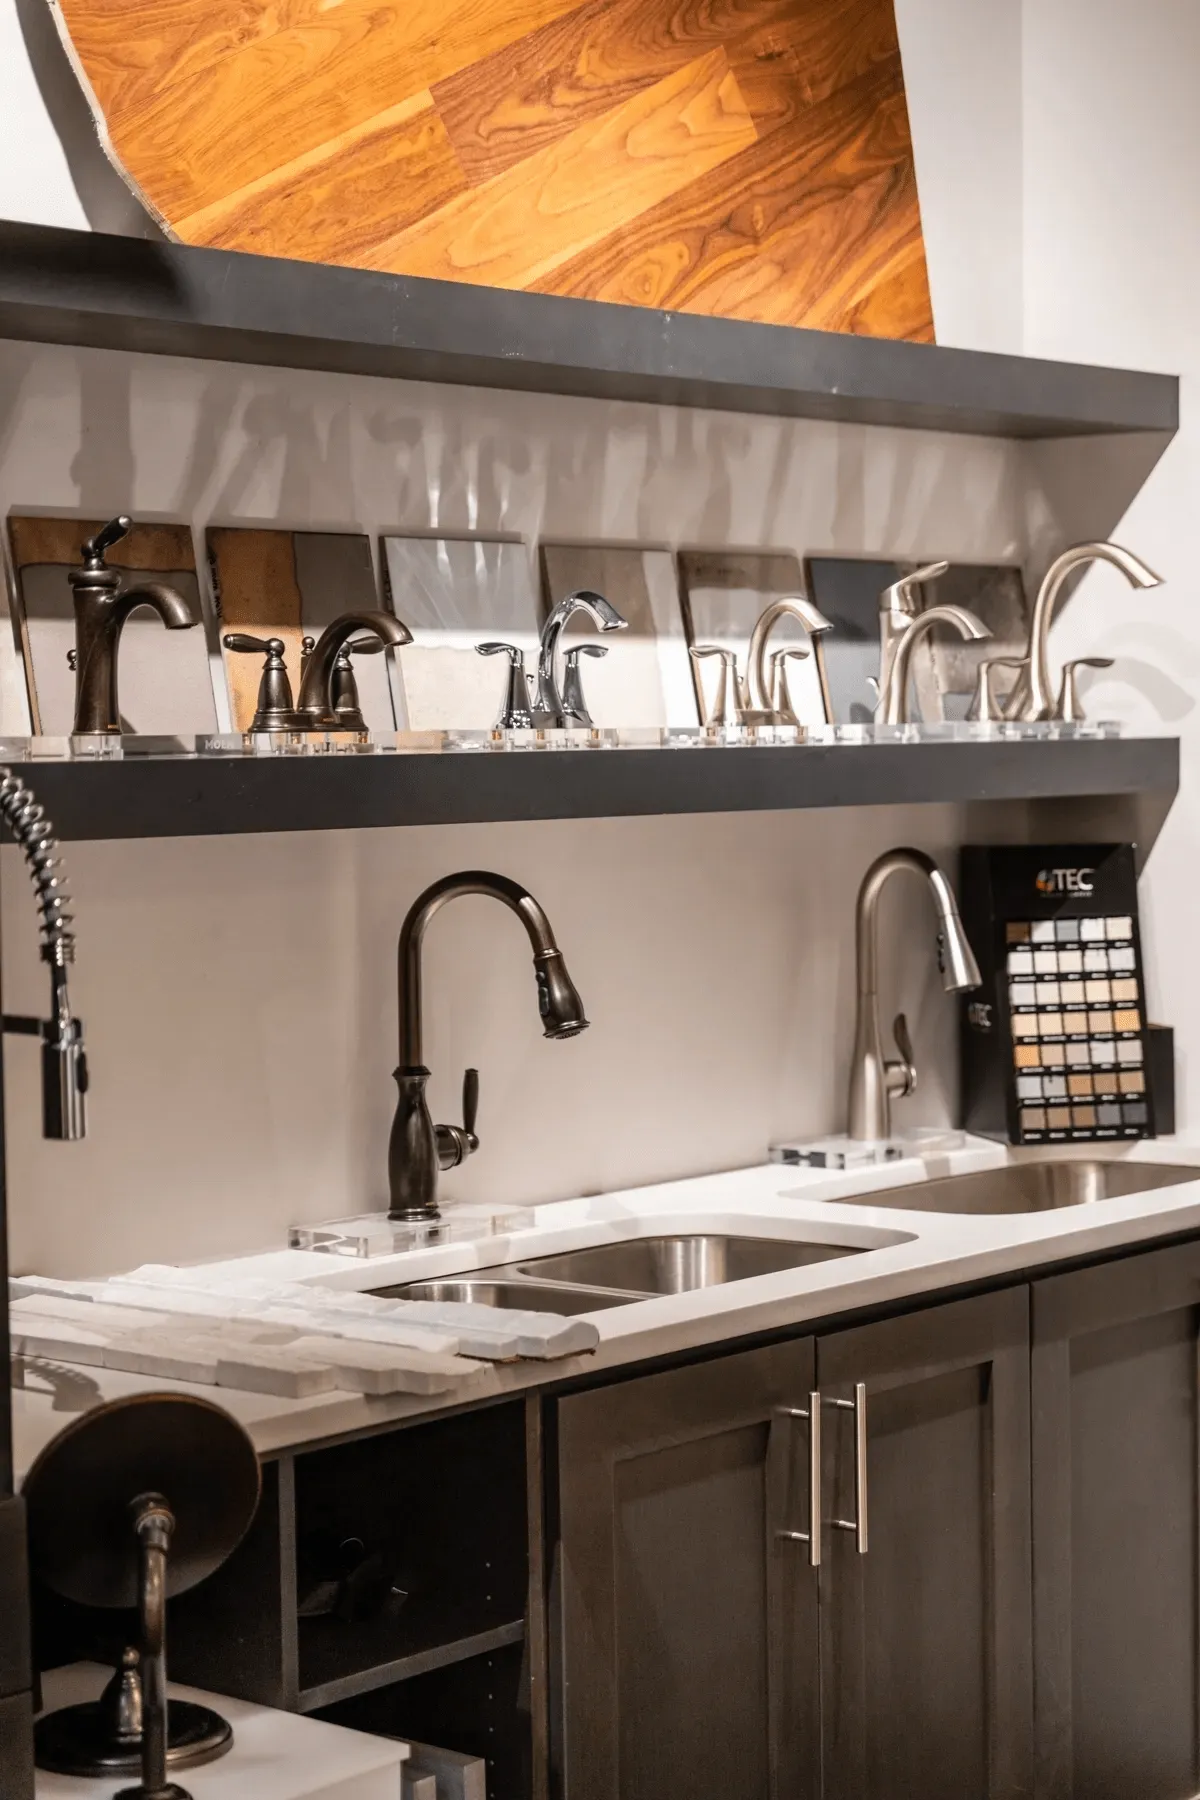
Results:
<point x="418" y="1148"/>
<point x="873" y="1079"/>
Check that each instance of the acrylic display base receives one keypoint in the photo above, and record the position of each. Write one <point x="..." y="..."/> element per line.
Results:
<point x="374" y="1234"/>
<point x="853" y="1153"/>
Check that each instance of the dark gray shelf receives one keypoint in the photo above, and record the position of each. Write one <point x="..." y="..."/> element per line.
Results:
<point x="72" y="287"/>
<point x="190" y="797"/>
<point x="405" y="1668"/>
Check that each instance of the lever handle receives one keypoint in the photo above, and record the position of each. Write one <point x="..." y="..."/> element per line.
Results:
<point x="241" y="640"/>
<point x="573" y="655"/>
<point x="903" y="1040"/>
<point x="497" y="649"/>
<point x="470" y="1101"/>
<point x="363" y="646"/>
<point x="106" y="537"/>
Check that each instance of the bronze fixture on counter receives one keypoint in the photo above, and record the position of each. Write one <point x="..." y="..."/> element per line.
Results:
<point x="102" y="606"/>
<point x="328" y="692"/>
<point x="418" y="1148"/>
<point x="133" y="1503"/>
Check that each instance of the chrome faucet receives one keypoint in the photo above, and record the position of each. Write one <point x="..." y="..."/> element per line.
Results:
<point x="64" y="1062"/>
<point x="791" y="606"/>
<point x="418" y="1148"/>
<point x="102" y="606"/>
<point x="550" y="709"/>
<point x="893" y="698"/>
<point x="874" y="1080"/>
<point x="1033" y="696"/>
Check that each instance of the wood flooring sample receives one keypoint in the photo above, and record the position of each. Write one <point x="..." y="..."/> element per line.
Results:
<point x="746" y="158"/>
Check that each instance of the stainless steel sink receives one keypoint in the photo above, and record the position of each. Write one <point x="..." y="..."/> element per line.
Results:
<point x="518" y="1296"/>
<point x="1026" y="1187"/>
<point x="676" y="1265"/>
<point x="584" y="1281"/>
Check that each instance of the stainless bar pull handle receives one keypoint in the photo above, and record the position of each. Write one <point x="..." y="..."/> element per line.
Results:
<point x="811" y="1537"/>
<point x="858" y="1524"/>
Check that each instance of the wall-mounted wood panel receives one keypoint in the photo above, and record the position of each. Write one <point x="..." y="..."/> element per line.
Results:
<point x="745" y="158"/>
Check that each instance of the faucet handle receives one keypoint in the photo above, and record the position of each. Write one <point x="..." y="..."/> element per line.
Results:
<point x="516" y="712"/>
<point x="93" y="551"/>
<point x="728" y="705"/>
<point x="903" y="1073"/>
<point x="575" y="711"/>
<point x="274" y="710"/>
<point x="985" y="705"/>
<point x="780" y="696"/>
<point x="1069" y="706"/>
<point x="456" y="1142"/>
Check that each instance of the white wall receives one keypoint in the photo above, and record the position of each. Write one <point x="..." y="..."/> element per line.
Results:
<point x="714" y="953"/>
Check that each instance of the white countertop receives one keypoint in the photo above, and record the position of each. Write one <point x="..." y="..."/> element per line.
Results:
<point x="904" y="1254"/>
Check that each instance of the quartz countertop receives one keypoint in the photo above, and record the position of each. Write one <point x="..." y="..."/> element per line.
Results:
<point x="904" y="1254"/>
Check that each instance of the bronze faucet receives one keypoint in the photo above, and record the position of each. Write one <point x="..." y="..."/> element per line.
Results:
<point x="328" y="692"/>
<point x="418" y="1148"/>
<point x="101" y="609"/>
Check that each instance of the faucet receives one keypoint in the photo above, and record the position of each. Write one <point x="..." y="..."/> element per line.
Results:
<point x="327" y="667"/>
<point x="1033" y="697"/>
<point x="873" y="1080"/>
<point x="898" y="607"/>
<point x="893" y="697"/>
<point x="64" y="1062"/>
<point x="101" y="609"/>
<point x="791" y="606"/>
<point x="418" y="1148"/>
<point x="549" y="707"/>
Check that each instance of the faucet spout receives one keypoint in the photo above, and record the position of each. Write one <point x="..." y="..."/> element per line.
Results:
<point x="875" y="1080"/>
<point x="418" y="1148"/>
<point x="316" y="709"/>
<point x="791" y="606"/>
<point x="893" y="701"/>
<point x="1033" y="697"/>
<point x="549" y="710"/>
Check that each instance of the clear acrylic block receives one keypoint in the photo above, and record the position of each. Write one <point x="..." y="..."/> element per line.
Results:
<point x="840" y="1152"/>
<point x="367" y="1235"/>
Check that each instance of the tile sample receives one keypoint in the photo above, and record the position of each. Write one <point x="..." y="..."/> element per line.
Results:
<point x="455" y="593"/>
<point x="164" y="677"/>
<point x="292" y="584"/>
<point x="646" y="677"/>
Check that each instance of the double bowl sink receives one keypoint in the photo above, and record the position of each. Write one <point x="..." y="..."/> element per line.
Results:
<point x="633" y="1269"/>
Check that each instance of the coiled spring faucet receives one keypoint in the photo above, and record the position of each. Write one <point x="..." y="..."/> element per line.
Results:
<point x="418" y="1148"/>
<point x="64" y="1063"/>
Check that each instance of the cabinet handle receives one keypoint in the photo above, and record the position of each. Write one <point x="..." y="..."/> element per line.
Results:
<point x="858" y="1524"/>
<point x="811" y="1537"/>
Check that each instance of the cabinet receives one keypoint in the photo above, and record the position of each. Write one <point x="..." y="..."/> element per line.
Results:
<point x="1116" y="1508"/>
<point x="700" y="1651"/>
<point x="926" y="1685"/>
<point x="685" y="1628"/>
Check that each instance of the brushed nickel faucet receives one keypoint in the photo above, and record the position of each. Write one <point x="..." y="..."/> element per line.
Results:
<point x="1033" y="696"/>
<point x="874" y="1080"/>
<point x="761" y="694"/>
<point x="550" y="708"/>
<point x="893" y="697"/>
<point x="102" y="606"/>
<point x="418" y="1148"/>
<point x="899" y="605"/>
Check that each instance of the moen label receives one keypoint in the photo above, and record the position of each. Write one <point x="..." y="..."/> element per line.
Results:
<point x="1066" y="881"/>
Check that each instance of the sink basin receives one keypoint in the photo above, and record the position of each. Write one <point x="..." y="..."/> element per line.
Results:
<point x="676" y="1265"/>
<point x="1027" y="1187"/>
<point x="584" y="1281"/>
<point x="517" y="1296"/>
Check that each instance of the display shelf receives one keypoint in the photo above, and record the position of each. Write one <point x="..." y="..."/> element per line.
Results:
<point x="406" y="1668"/>
<point x="196" y="796"/>
<point x="118" y="293"/>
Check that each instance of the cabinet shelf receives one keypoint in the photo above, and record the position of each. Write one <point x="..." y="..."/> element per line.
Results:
<point x="117" y="293"/>
<point x="407" y="1668"/>
<point x="151" y="797"/>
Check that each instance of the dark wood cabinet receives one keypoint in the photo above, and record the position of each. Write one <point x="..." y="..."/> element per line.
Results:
<point x="685" y="1627"/>
<point x="925" y="1638"/>
<point x="1116" y="1507"/>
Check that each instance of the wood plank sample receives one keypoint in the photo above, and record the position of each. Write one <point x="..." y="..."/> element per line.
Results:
<point x="746" y="158"/>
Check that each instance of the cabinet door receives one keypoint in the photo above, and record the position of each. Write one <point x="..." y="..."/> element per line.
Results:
<point x="686" y="1629"/>
<point x="1115" y="1511"/>
<point x="925" y="1639"/>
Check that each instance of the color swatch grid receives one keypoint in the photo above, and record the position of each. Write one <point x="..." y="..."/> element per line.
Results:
<point x="1076" y="1018"/>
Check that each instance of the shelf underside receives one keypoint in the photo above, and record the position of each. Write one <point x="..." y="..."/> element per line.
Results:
<point x="193" y="796"/>
<point x="72" y="287"/>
